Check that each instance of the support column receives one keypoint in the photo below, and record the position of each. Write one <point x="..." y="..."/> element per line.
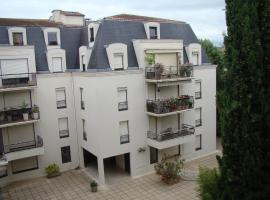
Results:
<point x="101" y="175"/>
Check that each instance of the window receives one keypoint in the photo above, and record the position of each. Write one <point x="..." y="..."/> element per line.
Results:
<point x="61" y="98"/>
<point x="198" y="142"/>
<point x="63" y="127"/>
<point x="124" y="132"/>
<point x="17" y="38"/>
<point x="52" y="38"/>
<point x="195" y="56"/>
<point x="198" y="119"/>
<point x="82" y="101"/>
<point x="198" y="93"/>
<point x="122" y="98"/>
<point x="118" y="61"/>
<point x="65" y="153"/>
<point x="57" y="64"/>
<point x="84" y="132"/>
<point x="153" y="32"/>
<point x="83" y="63"/>
<point x="153" y="155"/>
<point x="92" y="37"/>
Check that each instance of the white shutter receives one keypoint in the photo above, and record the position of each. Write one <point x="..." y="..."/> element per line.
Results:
<point x="14" y="66"/>
<point x="122" y="95"/>
<point x="57" y="64"/>
<point x="118" y="61"/>
<point x="60" y="95"/>
<point x="63" y="124"/>
<point x="123" y="128"/>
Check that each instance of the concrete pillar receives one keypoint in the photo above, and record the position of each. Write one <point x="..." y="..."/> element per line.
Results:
<point x="101" y="175"/>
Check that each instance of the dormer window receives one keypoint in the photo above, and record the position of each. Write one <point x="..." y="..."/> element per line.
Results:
<point x="153" y="32"/>
<point x="118" y="61"/>
<point x="92" y="35"/>
<point x="52" y="38"/>
<point x="17" y="38"/>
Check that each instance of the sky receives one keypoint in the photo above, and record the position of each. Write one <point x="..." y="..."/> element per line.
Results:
<point x="206" y="17"/>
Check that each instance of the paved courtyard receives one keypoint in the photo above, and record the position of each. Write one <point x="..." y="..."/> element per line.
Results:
<point x="74" y="185"/>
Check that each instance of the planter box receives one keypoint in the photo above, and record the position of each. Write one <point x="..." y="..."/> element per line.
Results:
<point x="53" y="175"/>
<point x="94" y="189"/>
<point x="171" y="181"/>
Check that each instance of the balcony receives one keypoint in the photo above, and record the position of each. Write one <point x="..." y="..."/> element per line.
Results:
<point x="63" y="133"/>
<point x="18" y="116"/>
<point x="160" y="73"/>
<point x="169" y="137"/>
<point x="13" y="82"/>
<point x="172" y="106"/>
<point x="24" y="149"/>
<point x="3" y="166"/>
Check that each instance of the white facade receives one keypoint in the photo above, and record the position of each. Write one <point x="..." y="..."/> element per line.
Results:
<point x="104" y="113"/>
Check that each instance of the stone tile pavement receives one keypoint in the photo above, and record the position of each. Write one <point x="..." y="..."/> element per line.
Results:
<point x="73" y="185"/>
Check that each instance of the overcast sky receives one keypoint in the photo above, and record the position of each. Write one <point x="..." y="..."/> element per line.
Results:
<point x="206" y="17"/>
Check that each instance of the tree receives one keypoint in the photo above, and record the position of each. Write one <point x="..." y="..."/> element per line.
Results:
<point x="216" y="57"/>
<point x="243" y="103"/>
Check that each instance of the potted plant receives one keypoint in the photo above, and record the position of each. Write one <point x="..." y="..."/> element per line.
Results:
<point x="94" y="186"/>
<point x="150" y="59"/>
<point x="35" y="112"/>
<point x="169" y="170"/>
<point x="159" y="68"/>
<point x="52" y="170"/>
<point x="25" y="111"/>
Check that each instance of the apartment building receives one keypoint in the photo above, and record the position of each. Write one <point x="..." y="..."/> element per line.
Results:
<point x="112" y="94"/>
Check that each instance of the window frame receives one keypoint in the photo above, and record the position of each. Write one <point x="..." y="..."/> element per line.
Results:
<point x="92" y="34"/>
<point x="62" y="157"/>
<point x="65" y="100"/>
<point x="126" y="135"/>
<point x="121" y="103"/>
<point x="82" y="101"/>
<point x="200" y="90"/>
<point x="122" y="58"/>
<point x="67" y="130"/>
<point x="200" y="119"/>
<point x="17" y="30"/>
<point x="154" y="37"/>
<point x="200" y="147"/>
<point x="153" y="160"/>
<point x="84" y="131"/>
<point x="57" y="42"/>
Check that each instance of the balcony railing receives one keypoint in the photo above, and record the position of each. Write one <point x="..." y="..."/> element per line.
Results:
<point x="171" y="134"/>
<point x="122" y="106"/>
<point x="160" y="72"/>
<point x="18" y="80"/>
<point x="61" y="104"/>
<point x="124" y="139"/>
<point x="38" y="142"/>
<point x="63" y="133"/>
<point x="13" y="115"/>
<point x="179" y="103"/>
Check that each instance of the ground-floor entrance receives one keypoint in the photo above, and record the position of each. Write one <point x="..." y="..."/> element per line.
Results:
<point x="107" y="170"/>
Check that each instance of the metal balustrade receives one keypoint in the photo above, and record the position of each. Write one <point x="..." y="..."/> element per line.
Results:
<point x="38" y="142"/>
<point x="168" y="72"/>
<point x="122" y="105"/>
<point x="17" y="80"/>
<point x="124" y="139"/>
<point x="171" y="134"/>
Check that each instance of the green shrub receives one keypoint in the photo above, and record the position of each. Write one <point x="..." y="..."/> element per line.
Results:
<point x="169" y="170"/>
<point x="207" y="181"/>
<point x="52" y="169"/>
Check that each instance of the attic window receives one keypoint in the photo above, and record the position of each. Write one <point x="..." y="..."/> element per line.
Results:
<point x="153" y="32"/>
<point x="17" y="38"/>
<point x="92" y="37"/>
<point x="52" y="38"/>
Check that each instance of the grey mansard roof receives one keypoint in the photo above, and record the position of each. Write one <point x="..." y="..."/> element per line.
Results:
<point x="111" y="30"/>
